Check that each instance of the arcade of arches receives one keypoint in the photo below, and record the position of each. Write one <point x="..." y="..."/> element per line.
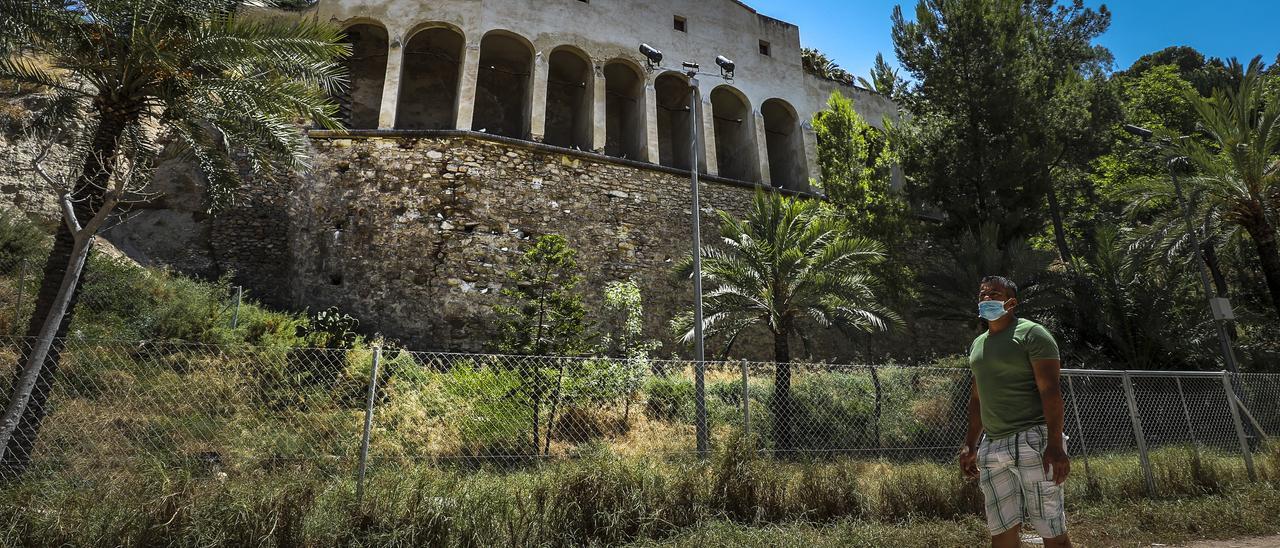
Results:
<point x="567" y="99"/>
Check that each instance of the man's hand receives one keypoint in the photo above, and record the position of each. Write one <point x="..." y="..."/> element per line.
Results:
<point x="969" y="463"/>
<point x="1055" y="457"/>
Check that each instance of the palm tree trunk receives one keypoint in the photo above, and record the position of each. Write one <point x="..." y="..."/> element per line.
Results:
<point x="1059" y="230"/>
<point x="1264" y="238"/>
<point x="783" y="434"/>
<point x="93" y="178"/>
<point x="29" y="375"/>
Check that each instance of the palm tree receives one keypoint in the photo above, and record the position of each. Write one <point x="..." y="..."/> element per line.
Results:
<point x="884" y="79"/>
<point x="818" y="64"/>
<point x="1240" y="174"/>
<point x="788" y="266"/>
<point x="221" y="84"/>
<point x="1135" y="297"/>
<point x="1163" y="229"/>
<point x="951" y="280"/>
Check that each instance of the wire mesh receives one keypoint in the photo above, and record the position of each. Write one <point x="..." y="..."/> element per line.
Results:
<point x="114" y="405"/>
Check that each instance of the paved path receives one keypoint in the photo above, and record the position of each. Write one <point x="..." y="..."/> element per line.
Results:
<point x="1030" y="541"/>
<point x="1258" y="542"/>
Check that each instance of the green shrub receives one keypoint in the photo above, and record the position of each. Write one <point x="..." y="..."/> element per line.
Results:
<point x="261" y="327"/>
<point x="21" y="241"/>
<point x="669" y="399"/>
<point x="492" y="418"/>
<point x="330" y="328"/>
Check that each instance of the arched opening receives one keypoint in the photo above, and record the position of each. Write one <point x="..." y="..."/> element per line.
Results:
<point x="624" y="111"/>
<point x="502" y="87"/>
<point x="429" y="80"/>
<point x="736" y="153"/>
<point x="570" y="95"/>
<point x="674" y="140"/>
<point x="785" y="142"/>
<point x="360" y="105"/>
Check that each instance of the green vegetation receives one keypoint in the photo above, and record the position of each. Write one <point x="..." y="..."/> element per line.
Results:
<point x="789" y="265"/>
<point x="227" y="89"/>
<point x="602" y="498"/>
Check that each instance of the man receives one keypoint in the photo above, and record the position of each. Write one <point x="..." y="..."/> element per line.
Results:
<point x="1017" y="401"/>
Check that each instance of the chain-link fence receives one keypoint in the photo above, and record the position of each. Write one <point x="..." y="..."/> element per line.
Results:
<point x="113" y="406"/>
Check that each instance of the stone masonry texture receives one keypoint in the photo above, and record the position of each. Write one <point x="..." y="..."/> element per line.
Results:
<point x="415" y="236"/>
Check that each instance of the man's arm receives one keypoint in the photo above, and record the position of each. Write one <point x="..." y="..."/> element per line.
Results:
<point x="969" y="453"/>
<point x="1048" y="381"/>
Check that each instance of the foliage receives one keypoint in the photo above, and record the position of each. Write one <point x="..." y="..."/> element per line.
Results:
<point x="1131" y="306"/>
<point x="544" y="315"/>
<point x="128" y="73"/>
<point x="330" y="328"/>
<point x="818" y="64"/>
<point x="623" y="324"/>
<point x="20" y="241"/>
<point x="789" y="265"/>
<point x="604" y="499"/>
<point x="987" y="76"/>
<point x="857" y="164"/>
<point x="1240" y="172"/>
<point x="1191" y="66"/>
<point x="884" y="79"/>
<point x="668" y="398"/>
<point x="225" y="84"/>
<point x="951" y="279"/>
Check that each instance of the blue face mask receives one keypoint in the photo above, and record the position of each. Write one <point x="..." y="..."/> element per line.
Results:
<point x="991" y="310"/>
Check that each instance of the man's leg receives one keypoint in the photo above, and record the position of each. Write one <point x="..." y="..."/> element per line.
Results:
<point x="1058" y="542"/>
<point x="1045" y="508"/>
<point x="1009" y="539"/>
<point x="1001" y="492"/>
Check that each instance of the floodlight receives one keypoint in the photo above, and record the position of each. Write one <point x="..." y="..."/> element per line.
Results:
<point x="652" y="54"/>
<point x="726" y="64"/>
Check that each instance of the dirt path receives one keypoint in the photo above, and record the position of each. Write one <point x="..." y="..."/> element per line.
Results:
<point x="1257" y="542"/>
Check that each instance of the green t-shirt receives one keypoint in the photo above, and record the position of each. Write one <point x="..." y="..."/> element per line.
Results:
<point x="1001" y="366"/>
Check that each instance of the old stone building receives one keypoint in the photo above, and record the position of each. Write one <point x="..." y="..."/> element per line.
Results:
<point x="478" y="125"/>
<point x="568" y="73"/>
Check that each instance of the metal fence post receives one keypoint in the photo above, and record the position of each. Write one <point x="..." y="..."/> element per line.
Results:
<point x="746" y="405"/>
<point x="368" y="424"/>
<point x="1229" y="394"/>
<point x="1137" y="433"/>
<point x="1186" y="413"/>
<point x="235" y="316"/>
<point x="1075" y="409"/>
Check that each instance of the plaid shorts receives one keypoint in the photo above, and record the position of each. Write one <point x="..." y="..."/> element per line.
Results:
<point x="1014" y="484"/>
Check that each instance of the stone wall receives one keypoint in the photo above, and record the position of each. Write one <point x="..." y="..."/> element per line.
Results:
<point x="174" y="228"/>
<point x="414" y="232"/>
<point x="415" y="235"/>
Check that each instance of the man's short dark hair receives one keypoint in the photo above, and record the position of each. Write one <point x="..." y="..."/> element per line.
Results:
<point x="1004" y="282"/>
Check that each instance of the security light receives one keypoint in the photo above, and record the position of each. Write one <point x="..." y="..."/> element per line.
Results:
<point x="651" y="54"/>
<point x="726" y="66"/>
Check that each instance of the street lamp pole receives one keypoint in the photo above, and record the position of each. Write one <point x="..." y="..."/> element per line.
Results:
<point x="1219" y="307"/>
<point x="654" y="57"/>
<point x="700" y="365"/>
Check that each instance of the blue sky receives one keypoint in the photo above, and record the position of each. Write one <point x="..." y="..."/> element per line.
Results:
<point x="852" y="31"/>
